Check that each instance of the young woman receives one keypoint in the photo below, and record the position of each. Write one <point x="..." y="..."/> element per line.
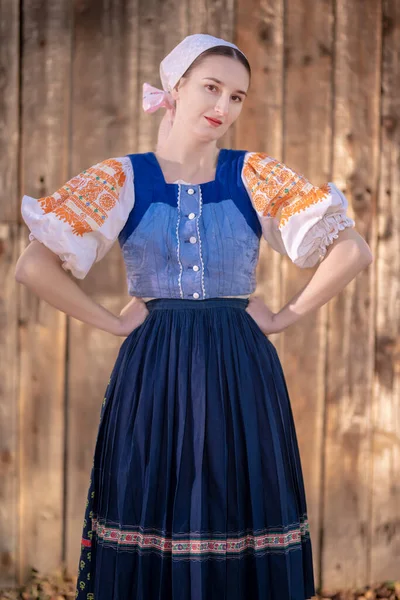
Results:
<point x="196" y="490"/>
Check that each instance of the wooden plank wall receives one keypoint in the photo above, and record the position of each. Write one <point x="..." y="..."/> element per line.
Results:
<point x="385" y="407"/>
<point x="347" y="499"/>
<point x="324" y="99"/>
<point x="9" y="294"/>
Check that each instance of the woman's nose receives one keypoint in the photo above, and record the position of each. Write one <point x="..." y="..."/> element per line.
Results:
<point x="222" y="106"/>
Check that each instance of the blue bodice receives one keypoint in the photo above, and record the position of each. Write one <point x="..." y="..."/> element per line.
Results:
<point x="190" y="241"/>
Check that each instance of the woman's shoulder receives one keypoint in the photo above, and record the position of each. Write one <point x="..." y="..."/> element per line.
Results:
<point x="254" y="160"/>
<point x="118" y="166"/>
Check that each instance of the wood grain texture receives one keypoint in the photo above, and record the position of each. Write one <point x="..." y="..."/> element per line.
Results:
<point x="307" y="149"/>
<point x="9" y="109"/>
<point x="9" y="351"/>
<point x="45" y="59"/>
<point x="9" y="409"/>
<point x="324" y="99"/>
<point x="385" y="485"/>
<point x="348" y="460"/>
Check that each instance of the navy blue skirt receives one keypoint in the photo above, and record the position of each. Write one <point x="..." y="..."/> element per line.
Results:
<point x="196" y="490"/>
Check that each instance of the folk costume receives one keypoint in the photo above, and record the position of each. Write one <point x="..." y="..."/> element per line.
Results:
<point x="196" y="490"/>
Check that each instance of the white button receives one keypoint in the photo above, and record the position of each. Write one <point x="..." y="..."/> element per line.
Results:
<point x="195" y="268"/>
<point x="196" y="295"/>
<point x="191" y="216"/>
<point x="192" y="239"/>
<point x="190" y="191"/>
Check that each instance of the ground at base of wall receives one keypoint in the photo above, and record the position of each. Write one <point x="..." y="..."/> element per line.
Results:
<point x="60" y="585"/>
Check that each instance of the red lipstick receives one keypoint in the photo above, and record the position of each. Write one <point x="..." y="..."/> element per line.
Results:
<point x="214" y="122"/>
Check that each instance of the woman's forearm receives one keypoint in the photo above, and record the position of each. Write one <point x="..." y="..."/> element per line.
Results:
<point x="346" y="257"/>
<point x="40" y="271"/>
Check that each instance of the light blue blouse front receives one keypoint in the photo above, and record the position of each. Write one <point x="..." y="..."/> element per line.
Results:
<point x="191" y="241"/>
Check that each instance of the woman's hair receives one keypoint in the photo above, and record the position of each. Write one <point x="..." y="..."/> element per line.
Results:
<point x="219" y="51"/>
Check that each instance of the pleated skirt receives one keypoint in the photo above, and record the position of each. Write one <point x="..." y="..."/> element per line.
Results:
<point x="196" y="490"/>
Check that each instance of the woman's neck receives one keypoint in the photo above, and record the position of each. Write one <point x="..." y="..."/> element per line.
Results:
<point x="194" y="163"/>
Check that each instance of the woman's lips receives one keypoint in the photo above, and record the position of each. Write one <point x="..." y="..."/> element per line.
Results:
<point x="213" y="122"/>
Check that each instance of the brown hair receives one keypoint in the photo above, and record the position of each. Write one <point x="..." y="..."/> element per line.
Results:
<point x="219" y="51"/>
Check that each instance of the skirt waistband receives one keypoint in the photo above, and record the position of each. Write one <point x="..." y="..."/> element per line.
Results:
<point x="179" y="303"/>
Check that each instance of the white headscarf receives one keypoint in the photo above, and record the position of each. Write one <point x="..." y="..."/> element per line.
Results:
<point x="174" y="65"/>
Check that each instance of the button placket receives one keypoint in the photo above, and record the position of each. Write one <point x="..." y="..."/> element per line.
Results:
<point x="190" y="282"/>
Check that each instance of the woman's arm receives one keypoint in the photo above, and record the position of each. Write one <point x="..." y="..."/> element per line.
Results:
<point x="345" y="258"/>
<point x="40" y="270"/>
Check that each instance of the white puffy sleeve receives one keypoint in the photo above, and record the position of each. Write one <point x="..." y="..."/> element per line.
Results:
<point x="81" y="221"/>
<point x="297" y="218"/>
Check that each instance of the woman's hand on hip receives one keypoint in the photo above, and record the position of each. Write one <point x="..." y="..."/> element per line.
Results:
<point x="131" y="316"/>
<point x="262" y="315"/>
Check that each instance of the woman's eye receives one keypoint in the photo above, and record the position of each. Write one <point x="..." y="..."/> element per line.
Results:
<point x="214" y="87"/>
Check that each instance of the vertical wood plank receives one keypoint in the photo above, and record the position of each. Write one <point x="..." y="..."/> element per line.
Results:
<point x="307" y="149"/>
<point x="385" y="488"/>
<point x="347" y="514"/>
<point x="45" y="119"/>
<point x="9" y="109"/>
<point x="9" y="417"/>
<point x="9" y="363"/>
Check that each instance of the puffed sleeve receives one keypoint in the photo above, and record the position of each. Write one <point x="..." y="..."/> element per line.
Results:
<point x="297" y="218"/>
<point x="81" y="221"/>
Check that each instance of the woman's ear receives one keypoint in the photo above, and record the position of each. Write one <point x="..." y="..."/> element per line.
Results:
<point x="174" y="93"/>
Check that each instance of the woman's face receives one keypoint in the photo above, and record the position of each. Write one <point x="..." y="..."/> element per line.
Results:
<point x="214" y="90"/>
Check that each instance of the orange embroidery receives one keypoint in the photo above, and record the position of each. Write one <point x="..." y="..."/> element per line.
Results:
<point x="277" y="190"/>
<point x="84" y="201"/>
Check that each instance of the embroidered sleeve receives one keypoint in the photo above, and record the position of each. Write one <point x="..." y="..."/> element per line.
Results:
<point x="297" y="218"/>
<point x="81" y="221"/>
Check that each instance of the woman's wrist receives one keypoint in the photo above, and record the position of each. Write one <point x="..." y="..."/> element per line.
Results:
<point x="109" y="322"/>
<point x="284" y="318"/>
<point x="115" y="326"/>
